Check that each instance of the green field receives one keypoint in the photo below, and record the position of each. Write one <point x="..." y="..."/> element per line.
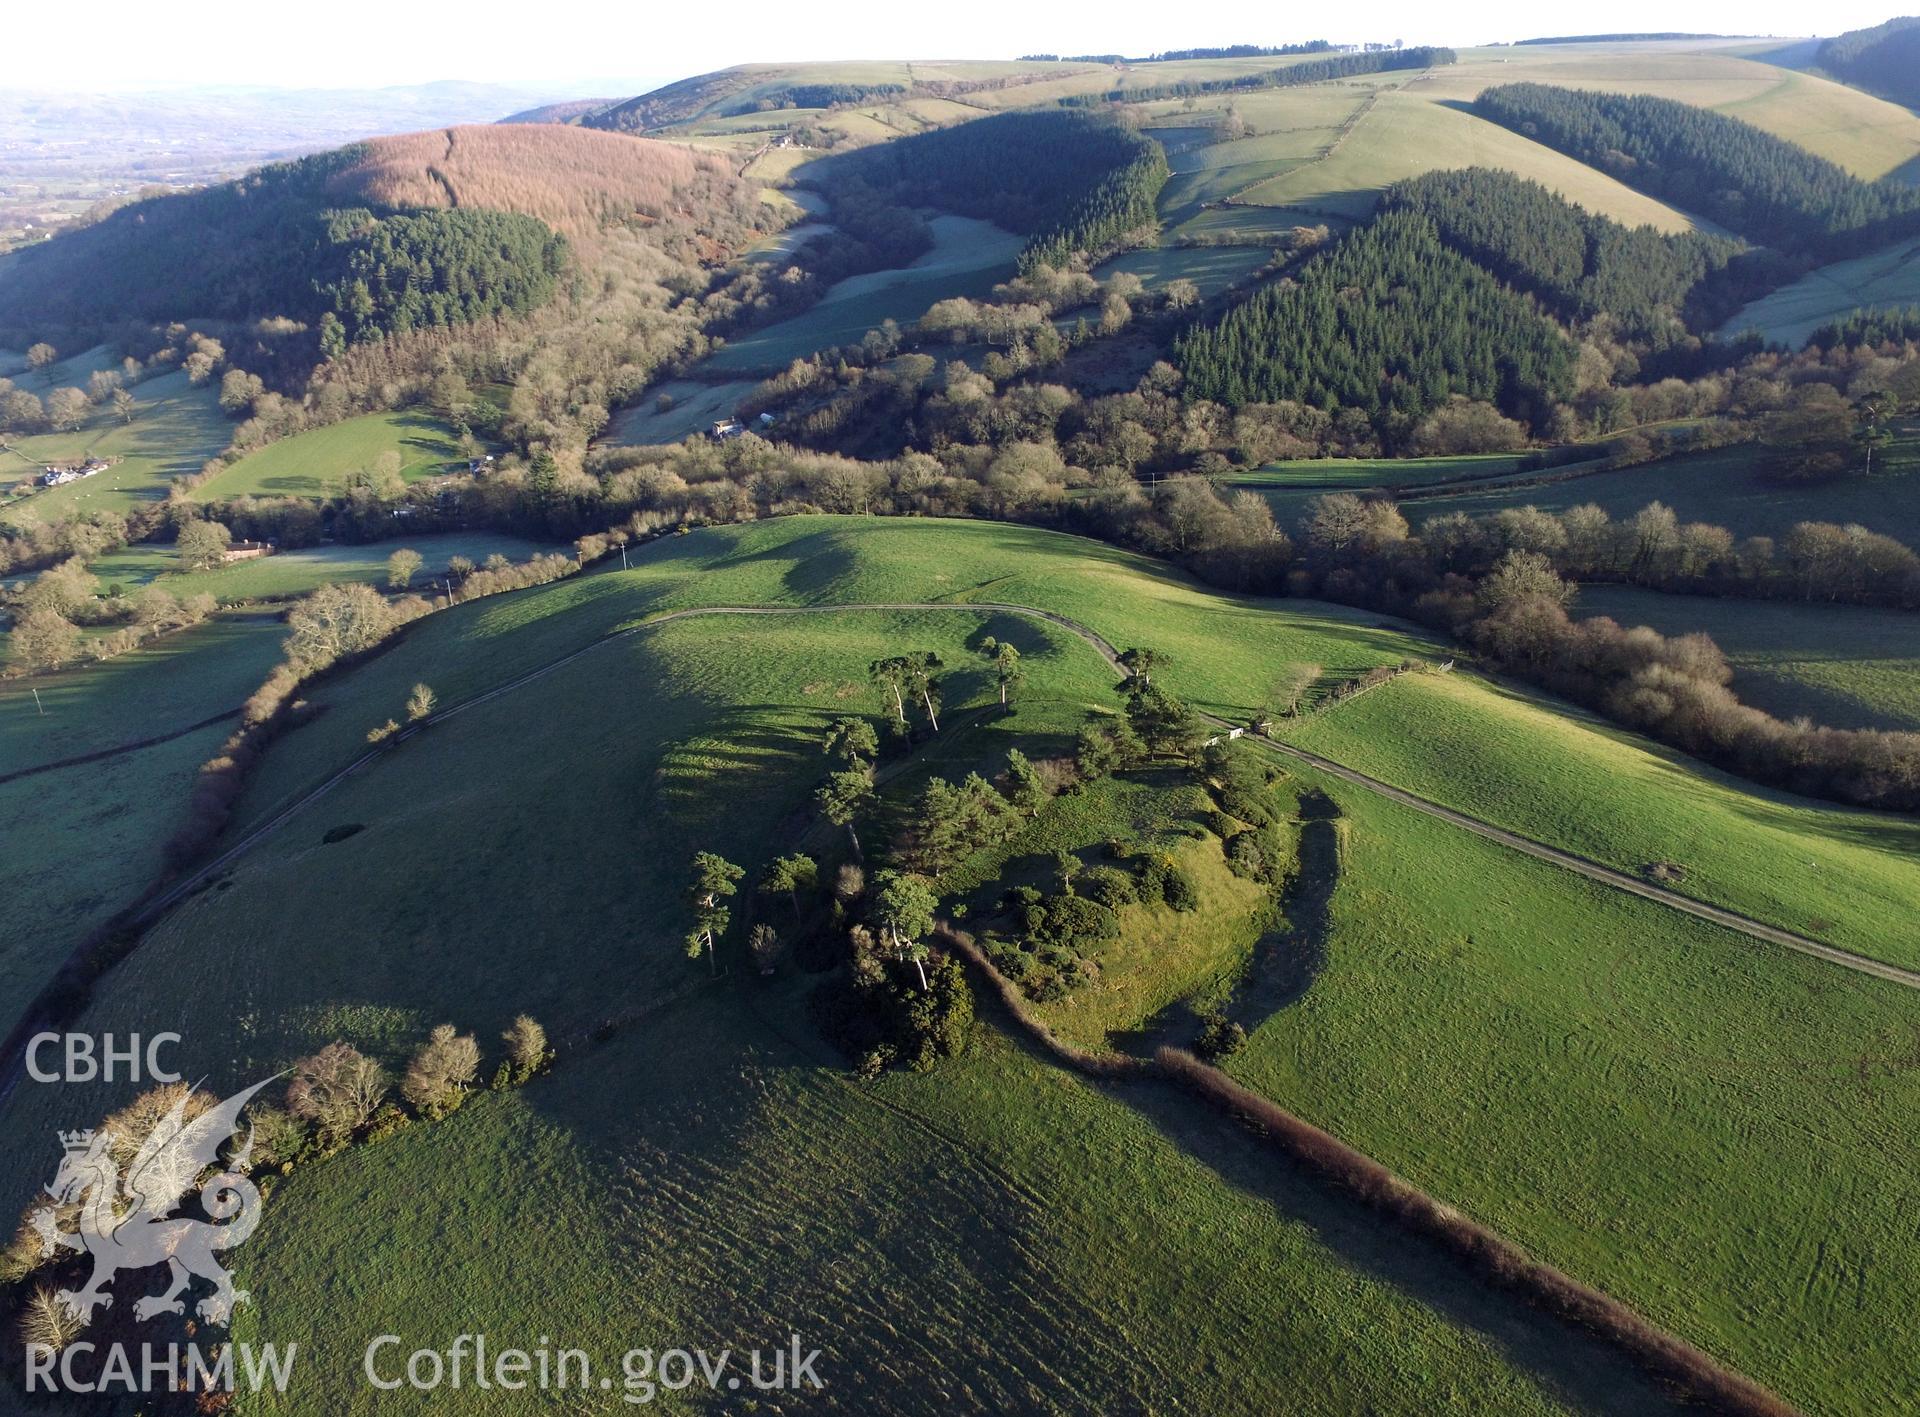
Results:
<point x="1643" y="1068"/>
<point x="783" y="243"/>
<point x="1837" y="664"/>
<point x="1218" y="171"/>
<point x="969" y="258"/>
<point x="1721" y="486"/>
<point x="1708" y="1129"/>
<point x="71" y="372"/>
<point x="291" y="573"/>
<point x="1415" y="123"/>
<point x="1231" y="652"/>
<point x="166" y="684"/>
<point x="84" y="840"/>
<point x="1056" y="1248"/>
<point x="1868" y="136"/>
<point x="1211" y="268"/>
<point x="1363" y="474"/>
<point x="1885" y="280"/>
<point x="1409" y="131"/>
<point x="1578" y="783"/>
<point x="175" y="430"/>
<point x="695" y="406"/>
<point x="317" y="463"/>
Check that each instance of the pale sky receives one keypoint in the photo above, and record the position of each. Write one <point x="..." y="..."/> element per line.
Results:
<point x="357" y="43"/>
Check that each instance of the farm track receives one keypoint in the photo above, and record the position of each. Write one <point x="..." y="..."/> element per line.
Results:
<point x="1566" y="860"/>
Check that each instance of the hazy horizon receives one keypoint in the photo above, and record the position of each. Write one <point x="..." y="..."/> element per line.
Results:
<point x="235" y="46"/>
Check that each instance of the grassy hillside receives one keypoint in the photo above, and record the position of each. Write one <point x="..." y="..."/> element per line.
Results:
<point x="317" y="463"/>
<point x="1410" y="131"/>
<point x="85" y="840"/>
<point x="1880" y="59"/>
<point x="1231" y="653"/>
<point x="526" y="854"/>
<point x="1708" y="1129"/>
<point x="1056" y="1247"/>
<point x="166" y="684"/>
<point x="1888" y="279"/>
<point x="289" y="573"/>
<point x="1325" y="152"/>
<point x="1837" y="664"/>
<point x="1722" y="486"/>
<point x="969" y="257"/>
<point x="1575" y="782"/>
<point x="1211" y="268"/>
<point x="1364" y="474"/>
<point x="1867" y="136"/>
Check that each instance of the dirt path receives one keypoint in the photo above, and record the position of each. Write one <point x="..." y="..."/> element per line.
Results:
<point x="1579" y="865"/>
<point x="1605" y="875"/>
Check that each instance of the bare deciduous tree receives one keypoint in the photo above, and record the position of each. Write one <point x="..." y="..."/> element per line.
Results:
<point x="338" y="1090"/>
<point x="527" y="1050"/>
<point x="441" y="1072"/>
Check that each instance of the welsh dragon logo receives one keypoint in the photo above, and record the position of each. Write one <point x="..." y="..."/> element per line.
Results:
<point x="126" y="1221"/>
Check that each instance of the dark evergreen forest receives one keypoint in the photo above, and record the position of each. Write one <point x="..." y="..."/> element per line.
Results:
<point x="1884" y="59"/>
<point x="1390" y="321"/>
<point x="1578" y="263"/>
<point x="1313" y="71"/>
<point x="1749" y="181"/>
<point x="1069" y="181"/>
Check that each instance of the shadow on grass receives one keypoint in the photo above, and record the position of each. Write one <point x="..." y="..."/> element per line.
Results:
<point x="1587" y="1373"/>
<point x="1287" y="960"/>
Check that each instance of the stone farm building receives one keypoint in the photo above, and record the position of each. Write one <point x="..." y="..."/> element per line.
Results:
<point x="58" y="474"/>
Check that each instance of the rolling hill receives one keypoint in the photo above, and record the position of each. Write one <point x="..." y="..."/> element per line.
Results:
<point x="1883" y="60"/>
<point x="671" y="725"/>
<point x="987" y="917"/>
<point x="574" y="180"/>
<point x="397" y="234"/>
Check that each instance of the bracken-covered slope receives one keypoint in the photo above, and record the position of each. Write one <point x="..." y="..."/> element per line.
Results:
<point x="574" y="179"/>
<point x="391" y="235"/>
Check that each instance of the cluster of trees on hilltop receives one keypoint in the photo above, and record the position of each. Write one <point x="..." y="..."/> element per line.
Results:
<point x="1313" y="71"/>
<point x="1616" y="38"/>
<point x="1885" y="58"/>
<point x="1389" y="321"/>
<point x="275" y="243"/>
<point x="1238" y="51"/>
<point x="1580" y="264"/>
<point x="1073" y="182"/>
<point x="1741" y="176"/>
<point x="822" y="96"/>
<point x="1225" y="51"/>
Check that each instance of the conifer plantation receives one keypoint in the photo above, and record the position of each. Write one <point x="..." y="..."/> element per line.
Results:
<point x="1391" y="322"/>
